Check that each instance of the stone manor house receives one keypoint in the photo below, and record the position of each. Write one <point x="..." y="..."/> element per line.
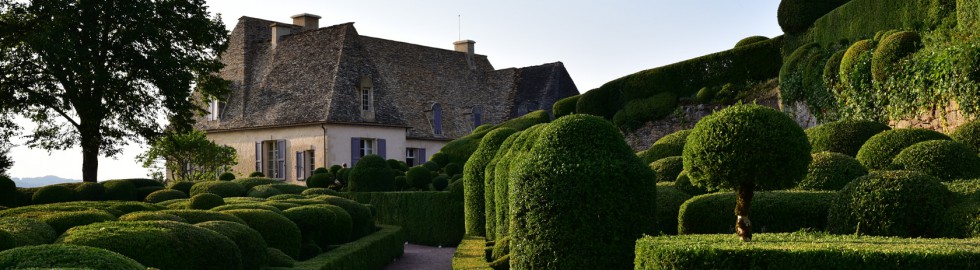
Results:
<point x="305" y="97"/>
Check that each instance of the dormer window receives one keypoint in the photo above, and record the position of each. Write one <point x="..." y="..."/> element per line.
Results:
<point x="214" y="110"/>
<point x="367" y="99"/>
<point x="477" y="116"/>
<point x="436" y="119"/>
<point x="365" y="91"/>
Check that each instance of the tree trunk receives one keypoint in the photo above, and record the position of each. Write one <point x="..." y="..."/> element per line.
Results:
<point x="743" y="202"/>
<point x="91" y="139"/>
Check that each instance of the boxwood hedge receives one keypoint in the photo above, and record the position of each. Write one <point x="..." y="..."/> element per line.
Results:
<point x="362" y="222"/>
<point x="53" y="194"/>
<point x="250" y="182"/>
<point x="28" y="231"/>
<point x="947" y="160"/>
<point x="474" y="186"/>
<point x="205" y="201"/>
<point x="831" y="171"/>
<point x="249" y="242"/>
<point x="374" y="251"/>
<point x="7" y="240"/>
<point x="165" y="195"/>
<point x="891" y="49"/>
<point x="66" y="257"/>
<point x="278" y="231"/>
<point x="968" y="134"/>
<point x="260" y="206"/>
<point x="639" y="111"/>
<point x="666" y="169"/>
<point x="220" y="188"/>
<point x="669" y="201"/>
<point x="313" y="222"/>
<point x="796" y="16"/>
<point x="427" y="218"/>
<point x="750" y="40"/>
<point x="8" y="192"/>
<point x="148" y="216"/>
<point x="564" y="106"/>
<point x="520" y="145"/>
<point x="198" y="216"/>
<point x="877" y="153"/>
<point x="890" y="203"/>
<point x="845" y="136"/>
<point x="183" y="186"/>
<point x="371" y="174"/>
<point x="119" y="190"/>
<point x="89" y="191"/>
<point x="263" y="191"/>
<point x="773" y="211"/>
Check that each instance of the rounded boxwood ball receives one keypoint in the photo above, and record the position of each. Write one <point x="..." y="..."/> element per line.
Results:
<point x="439" y="183"/>
<point x="564" y="106"/>
<point x="28" y="231"/>
<point x="249" y="242"/>
<point x="831" y="70"/>
<point x="263" y="191"/>
<point x="278" y="231"/>
<point x="845" y="137"/>
<point x="750" y="40"/>
<point x="706" y="94"/>
<point x="321" y="170"/>
<point x="452" y="169"/>
<point x="660" y="151"/>
<point x="205" y="201"/>
<point x="418" y="177"/>
<point x="891" y="49"/>
<point x="362" y="222"/>
<point x="183" y="186"/>
<point x="371" y="174"/>
<point x="220" y="188"/>
<point x="197" y="216"/>
<point x="877" y="153"/>
<point x="855" y="64"/>
<point x="312" y="221"/>
<point x="89" y="191"/>
<point x="227" y="176"/>
<point x="66" y="257"/>
<point x="678" y="138"/>
<point x="575" y="159"/>
<point x="159" y="244"/>
<point x="944" y="159"/>
<point x="441" y="159"/>
<point x="165" y="195"/>
<point x="319" y="180"/>
<point x="831" y="171"/>
<point x="261" y="206"/>
<point x="746" y="144"/>
<point x="142" y="192"/>
<point x="256" y="174"/>
<point x="890" y="203"/>
<point x="53" y="194"/>
<point x="968" y="134"/>
<point x="8" y="192"/>
<point x="119" y="190"/>
<point x="147" y="216"/>
<point x="7" y="241"/>
<point x="683" y="183"/>
<point x="667" y="169"/>
<point x="249" y="183"/>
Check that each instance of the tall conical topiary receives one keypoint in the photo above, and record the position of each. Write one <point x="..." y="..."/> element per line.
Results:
<point x="473" y="181"/>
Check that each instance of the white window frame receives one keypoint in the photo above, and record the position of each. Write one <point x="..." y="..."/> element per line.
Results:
<point x="368" y="146"/>
<point x="367" y="98"/>
<point x="411" y="154"/>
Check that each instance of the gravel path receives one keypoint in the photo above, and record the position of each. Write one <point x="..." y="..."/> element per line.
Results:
<point x="424" y="258"/>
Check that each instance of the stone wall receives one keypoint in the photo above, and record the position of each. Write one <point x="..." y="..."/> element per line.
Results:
<point x="944" y="120"/>
<point x="684" y="118"/>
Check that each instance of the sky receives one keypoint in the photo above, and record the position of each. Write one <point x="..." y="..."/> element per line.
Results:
<point x="598" y="41"/>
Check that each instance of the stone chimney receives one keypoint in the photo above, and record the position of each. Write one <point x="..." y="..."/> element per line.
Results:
<point x="307" y="21"/>
<point x="279" y="30"/>
<point x="467" y="47"/>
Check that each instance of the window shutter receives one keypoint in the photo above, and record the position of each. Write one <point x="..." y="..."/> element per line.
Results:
<point x="299" y="166"/>
<point x="281" y="159"/>
<point x="437" y="122"/>
<point x="421" y="156"/>
<point x="381" y="149"/>
<point x="355" y="151"/>
<point x="258" y="156"/>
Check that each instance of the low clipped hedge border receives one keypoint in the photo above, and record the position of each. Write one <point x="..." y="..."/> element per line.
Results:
<point x="804" y="251"/>
<point x="471" y="254"/>
<point x="374" y="251"/>
<point x="432" y="218"/>
<point x="775" y="211"/>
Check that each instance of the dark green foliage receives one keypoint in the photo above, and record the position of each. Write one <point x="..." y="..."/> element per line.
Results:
<point x="845" y="137"/>
<point x="240" y="200"/>
<point x="855" y="66"/>
<point x="669" y="201"/>
<point x="890" y="50"/>
<point x="205" y="201"/>
<point x="440" y="158"/>
<point x="371" y="174"/>
<point x="520" y="144"/>
<point x="602" y="101"/>
<point x="319" y="191"/>
<point x="249" y="183"/>
<point x="321" y="170"/>
<point x="288" y="188"/>
<point x="439" y="183"/>
<point x="639" y="111"/>
<point x="278" y="231"/>
<point x="401" y="184"/>
<point x="249" y="241"/>
<point x="706" y="94"/>
<point x="427" y="218"/>
<point x="282" y="206"/>
<point x="394" y="164"/>
<point x="362" y="222"/>
<point x="160" y="244"/>
<point x="142" y="192"/>
<point x="944" y="159"/>
<point x="678" y="138"/>
<point x="683" y="183"/>
<point x="877" y="153"/>
<point x="459" y="150"/>
<point x="141" y="182"/>
<point x="456" y="190"/>
<point x="667" y="168"/>
<point x="309" y="250"/>
<point x="452" y="169"/>
<point x="28" y="231"/>
<point x="184" y="186"/>
<point x="148" y="216"/>
<point x="418" y="177"/>
<point x="852" y="21"/>
<point x="165" y="195"/>
<point x="831" y="69"/>
<point x="220" y="188"/>
<point x="119" y="190"/>
<point x="831" y="171"/>
<point x="962" y="218"/>
<point x="227" y="176"/>
<point x="198" y="216"/>
<point x="66" y="257"/>
<point x="277" y="258"/>
<point x="968" y="134"/>
<point x="89" y="191"/>
<point x="575" y="157"/>
<point x="53" y="194"/>
<point x="791" y="85"/>
<point x="474" y="181"/>
<point x="660" y="151"/>
<point x="339" y="230"/>
<point x="890" y="203"/>
<point x="796" y="16"/>
<point x="750" y="40"/>
<point x="431" y="166"/>
<point x="61" y="221"/>
<point x="372" y="252"/>
<point x="564" y="106"/>
<point x="7" y="241"/>
<point x="283" y="197"/>
<point x="968" y="14"/>
<point x="746" y="145"/>
<point x="260" y="206"/>
<point x="501" y="248"/>
<point x="263" y="191"/>
<point x="8" y="192"/>
<point x="804" y="251"/>
<point x="256" y="174"/>
<point x="312" y="221"/>
<point x="774" y="211"/>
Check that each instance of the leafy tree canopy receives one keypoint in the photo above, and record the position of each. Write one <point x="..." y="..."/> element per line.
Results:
<point x="189" y="156"/>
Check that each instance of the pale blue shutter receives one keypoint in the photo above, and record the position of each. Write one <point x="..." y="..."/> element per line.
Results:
<point x="355" y="151"/>
<point x="382" y="149"/>
<point x="299" y="166"/>
<point x="421" y="156"/>
<point x="258" y="156"/>
<point x="437" y="122"/>
<point x="281" y="159"/>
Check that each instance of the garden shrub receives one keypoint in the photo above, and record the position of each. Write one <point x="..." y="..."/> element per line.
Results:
<point x="439" y="183"/>
<point x="183" y="186"/>
<point x="660" y="151"/>
<point x="7" y="241"/>
<point x="66" y="257"/>
<point x="28" y="231"/>
<point x="289" y="188"/>
<point x="796" y="16"/>
<point x="283" y="197"/>
<point x="968" y="14"/>
<point x="309" y="250"/>
<point x="852" y="21"/>
<point x="575" y="158"/>
<point x="249" y="242"/>
<point x="564" y="106"/>
<point x="323" y="170"/>
<point x="452" y="169"/>
<point x="637" y="112"/>
<point x="501" y="248"/>
<point x="855" y="66"/>
<point x="877" y="153"/>
<point x="159" y="244"/>
<point x="968" y="134"/>
<point x="431" y="166"/>
<point x="119" y="190"/>
<point x="944" y="159"/>
<point x="53" y="194"/>
<point x="142" y="192"/>
<point x="205" y="201"/>
<point x="372" y="252"/>
<point x="362" y="223"/>
<point x="319" y="180"/>
<point x="456" y="190"/>
<point x="263" y="191"/>
<point x="8" y="192"/>
<point x="312" y="221"/>
<point x="683" y="183"/>
<point x="401" y="183"/>
<point x="667" y="168"/>
<point x="249" y="183"/>
<point x="277" y="230"/>
<point x="312" y="192"/>
<point x="141" y="182"/>
<point x="220" y="188"/>
<point x="706" y="94"/>
<point x="339" y="231"/>
<point x="260" y="206"/>
<point x="890" y="203"/>
<point x="256" y="174"/>
<point x="459" y="150"/>
<point x="602" y="101"/>
<point x="226" y="176"/>
<point x="678" y="138"/>
<point x="750" y="40"/>
<point x="521" y="145"/>
<point x="440" y="158"/>
<point x="474" y="182"/>
<point x="831" y="69"/>
<point x="165" y="195"/>
<point x="89" y="191"/>
<point x="791" y="85"/>
<point x="831" y="171"/>
<point x="371" y="174"/>
<point x="418" y="177"/>
<point x="237" y="200"/>
<point x="198" y="216"/>
<point x="669" y="201"/>
<point x="394" y="164"/>
<point x="431" y="218"/>
<point x="845" y="136"/>
<point x="61" y="221"/>
<point x="960" y="220"/>
<point x="148" y="216"/>
<point x="890" y="50"/>
<point x="277" y="258"/>
<point x="772" y="211"/>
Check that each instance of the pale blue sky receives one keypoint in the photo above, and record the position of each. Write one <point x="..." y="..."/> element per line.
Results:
<point x="598" y="41"/>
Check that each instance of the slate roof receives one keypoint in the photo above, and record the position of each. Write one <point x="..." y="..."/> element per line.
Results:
<point x="313" y="76"/>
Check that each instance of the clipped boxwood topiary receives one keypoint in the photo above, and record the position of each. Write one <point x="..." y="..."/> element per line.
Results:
<point x="66" y="257"/>
<point x="277" y="258"/>
<point x="660" y="151"/>
<point x="746" y="147"/>
<point x="278" y="231"/>
<point x="284" y="197"/>
<point x="678" y="138"/>
<point x="89" y="191"/>
<point x="165" y="195"/>
<point x="288" y="188"/>
<point x="142" y="192"/>
<point x="160" y="244"/>
<point x="831" y="171"/>
<point x="890" y="203"/>
<point x="362" y="222"/>
<point x="319" y="180"/>
<point x="401" y="183"/>
<point x="371" y="174"/>
<point x="667" y="168"/>
<point x="226" y="176"/>
<point x="28" y="231"/>
<point x="205" y="201"/>
<point x="575" y="159"/>
<point x="8" y="192"/>
<point x="61" y="221"/>
<point x="263" y="191"/>
<point x="706" y="94"/>
<point x="439" y="183"/>
<point x="53" y="194"/>
<point x="418" y="177"/>
<point x="452" y="169"/>
<point x="183" y="186"/>
<point x="683" y="183"/>
<point x="119" y="190"/>
<point x="312" y="192"/>
<point x="669" y="201"/>
<point x="855" y="66"/>
<point x="249" y="242"/>
<point x="440" y="158"/>
<point x="474" y="180"/>
<point x="249" y="183"/>
<point x="877" y="153"/>
<point x="968" y="134"/>
<point x="796" y="16"/>
<point x="750" y="40"/>
<point x="312" y="221"/>
<point x="223" y="189"/>
<point x="639" y="111"/>
<point x="198" y="216"/>
<point x="831" y="69"/>
<point x="891" y="49"/>
<point x="845" y="136"/>
<point x="944" y="159"/>
<point x="7" y="241"/>
<point x="260" y="206"/>
<point x="256" y="174"/>
<point x="148" y="216"/>
<point x="775" y="211"/>
<point x="565" y="106"/>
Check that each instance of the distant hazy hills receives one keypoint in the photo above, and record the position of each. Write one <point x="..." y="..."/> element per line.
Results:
<point x="42" y="181"/>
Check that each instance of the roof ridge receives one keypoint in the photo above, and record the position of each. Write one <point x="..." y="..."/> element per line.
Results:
<point x="418" y="45"/>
